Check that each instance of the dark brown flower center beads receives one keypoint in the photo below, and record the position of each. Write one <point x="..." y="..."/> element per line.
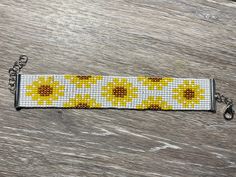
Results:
<point x="154" y="107"/>
<point x="119" y="92"/>
<point x="45" y="90"/>
<point x="189" y="94"/>
<point x="82" y="106"/>
<point x="155" y="79"/>
<point x="84" y="77"/>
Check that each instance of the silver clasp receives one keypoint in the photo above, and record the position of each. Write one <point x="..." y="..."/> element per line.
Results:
<point x="229" y="112"/>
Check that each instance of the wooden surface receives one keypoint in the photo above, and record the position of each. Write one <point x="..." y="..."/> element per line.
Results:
<point x="179" y="38"/>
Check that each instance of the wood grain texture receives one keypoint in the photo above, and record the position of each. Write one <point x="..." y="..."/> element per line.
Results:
<point x="180" y="38"/>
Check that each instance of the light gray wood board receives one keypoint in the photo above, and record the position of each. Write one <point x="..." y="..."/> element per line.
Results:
<point x="137" y="37"/>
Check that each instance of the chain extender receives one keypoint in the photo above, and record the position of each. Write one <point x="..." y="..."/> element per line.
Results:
<point x="23" y="59"/>
<point x="18" y="65"/>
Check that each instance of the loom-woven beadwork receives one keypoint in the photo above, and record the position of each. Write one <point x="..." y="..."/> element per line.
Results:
<point x="74" y="91"/>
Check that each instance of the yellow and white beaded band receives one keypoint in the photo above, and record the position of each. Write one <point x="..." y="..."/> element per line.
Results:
<point x="77" y="91"/>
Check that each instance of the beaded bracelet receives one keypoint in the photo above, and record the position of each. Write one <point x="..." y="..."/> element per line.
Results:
<point x="94" y="91"/>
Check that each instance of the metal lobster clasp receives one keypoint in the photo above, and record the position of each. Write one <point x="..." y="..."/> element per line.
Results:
<point x="229" y="112"/>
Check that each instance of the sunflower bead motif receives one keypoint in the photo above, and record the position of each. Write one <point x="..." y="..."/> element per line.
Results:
<point x="155" y="82"/>
<point x="82" y="102"/>
<point x="119" y="92"/>
<point x="45" y="90"/>
<point x="188" y="94"/>
<point x="83" y="81"/>
<point x="154" y="103"/>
